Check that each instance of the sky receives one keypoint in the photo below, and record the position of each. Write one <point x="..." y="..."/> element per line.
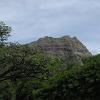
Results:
<point x="33" y="19"/>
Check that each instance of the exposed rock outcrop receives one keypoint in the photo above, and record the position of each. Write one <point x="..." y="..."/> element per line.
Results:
<point x="70" y="49"/>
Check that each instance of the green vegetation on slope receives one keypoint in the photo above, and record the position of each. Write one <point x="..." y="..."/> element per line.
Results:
<point x="77" y="83"/>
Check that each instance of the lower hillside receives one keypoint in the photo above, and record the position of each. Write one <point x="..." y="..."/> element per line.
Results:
<point x="26" y="74"/>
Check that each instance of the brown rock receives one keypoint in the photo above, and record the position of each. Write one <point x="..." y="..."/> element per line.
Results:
<point x="70" y="49"/>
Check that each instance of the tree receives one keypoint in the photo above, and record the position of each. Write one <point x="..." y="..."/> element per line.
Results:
<point x="18" y="65"/>
<point x="20" y="62"/>
<point x="4" y="32"/>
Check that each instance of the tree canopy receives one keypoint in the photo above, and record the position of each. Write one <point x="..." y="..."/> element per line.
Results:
<point x="4" y="32"/>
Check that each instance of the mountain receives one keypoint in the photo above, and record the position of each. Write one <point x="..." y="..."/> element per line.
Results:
<point x="67" y="48"/>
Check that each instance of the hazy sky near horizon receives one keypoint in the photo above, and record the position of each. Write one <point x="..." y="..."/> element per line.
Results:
<point x="32" y="19"/>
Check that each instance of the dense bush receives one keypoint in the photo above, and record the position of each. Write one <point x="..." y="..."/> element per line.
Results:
<point x="78" y="83"/>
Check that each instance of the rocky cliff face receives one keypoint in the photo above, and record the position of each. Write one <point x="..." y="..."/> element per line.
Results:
<point x="68" y="48"/>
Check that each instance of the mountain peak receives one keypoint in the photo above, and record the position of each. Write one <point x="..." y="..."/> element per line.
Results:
<point x="66" y="47"/>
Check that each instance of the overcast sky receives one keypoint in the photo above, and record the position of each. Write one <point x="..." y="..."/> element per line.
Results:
<point x="32" y="19"/>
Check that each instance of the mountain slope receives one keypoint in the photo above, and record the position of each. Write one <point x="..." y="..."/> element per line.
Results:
<point x="70" y="49"/>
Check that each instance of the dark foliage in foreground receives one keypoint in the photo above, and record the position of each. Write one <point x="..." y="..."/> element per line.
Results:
<point x="28" y="75"/>
<point x="78" y="83"/>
